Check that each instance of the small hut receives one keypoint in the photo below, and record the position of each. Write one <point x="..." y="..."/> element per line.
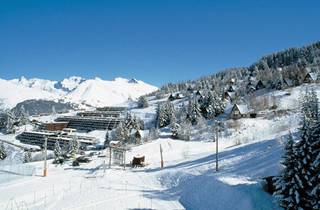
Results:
<point x="287" y="82"/>
<point x="138" y="161"/>
<point x="260" y="85"/>
<point x="239" y="111"/>
<point x="171" y="98"/>
<point x="310" y="78"/>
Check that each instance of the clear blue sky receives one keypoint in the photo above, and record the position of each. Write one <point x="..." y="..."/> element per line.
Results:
<point x="155" y="41"/>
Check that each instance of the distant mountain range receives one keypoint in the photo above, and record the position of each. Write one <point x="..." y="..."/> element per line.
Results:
<point x="92" y="92"/>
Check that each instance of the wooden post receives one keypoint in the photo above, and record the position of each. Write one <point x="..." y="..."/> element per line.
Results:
<point x="124" y="159"/>
<point x="161" y="156"/>
<point x="110" y="156"/>
<point x="45" y="172"/>
<point x="217" y="139"/>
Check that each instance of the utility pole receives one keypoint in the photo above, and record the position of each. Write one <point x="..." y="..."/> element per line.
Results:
<point x="161" y="156"/>
<point x="45" y="172"/>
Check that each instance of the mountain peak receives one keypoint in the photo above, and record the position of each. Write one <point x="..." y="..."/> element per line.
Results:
<point x="133" y="80"/>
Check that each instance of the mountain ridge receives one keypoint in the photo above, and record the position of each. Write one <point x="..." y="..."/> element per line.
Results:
<point x="75" y="89"/>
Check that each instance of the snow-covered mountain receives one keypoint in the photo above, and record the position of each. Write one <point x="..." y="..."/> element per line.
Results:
<point x="94" y="92"/>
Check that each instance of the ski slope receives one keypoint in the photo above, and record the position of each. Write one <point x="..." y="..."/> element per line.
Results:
<point x="188" y="181"/>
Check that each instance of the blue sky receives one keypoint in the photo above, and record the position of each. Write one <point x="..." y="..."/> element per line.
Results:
<point x="155" y="41"/>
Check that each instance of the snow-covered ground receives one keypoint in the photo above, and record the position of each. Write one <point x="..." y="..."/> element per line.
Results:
<point x="249" y="151"/>
<point x="188" y="180"/>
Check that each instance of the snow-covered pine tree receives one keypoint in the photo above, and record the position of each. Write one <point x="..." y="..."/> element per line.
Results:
<point x="310" y="105"/>
<point x="57" y="152"/>
<point x="174" y="126"/>
<point x="212" y="105"/>
<point x="184" y="130"/>
<point x="27" y="157"/>
<point x="315" y="166"/>
<point x="286" y="186"/>
<point x="315" y="192"/>
<point x="302" y="168"/>
<point x="9" y="128"/>
<point x="143" y="102"/>
<point x="3" y="152"/>
<point x="74" y="146"/>
<point x="121" y="132"/>
<point x="164" y="114"/>
<point x="194" y="112"/>
<point x="23" y="116"/>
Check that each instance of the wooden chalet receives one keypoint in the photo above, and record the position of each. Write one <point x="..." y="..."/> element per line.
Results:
<point x="260" y="85"/>
<point x="288" y="82"/>
<point x="240" y="111"/>
<point x="230" y="96"/>
<point x="171" y="98"/>
<point x="310" y="78"/>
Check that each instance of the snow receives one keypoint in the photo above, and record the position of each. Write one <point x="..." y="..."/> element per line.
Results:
<point x="13" y="93"/>
<point x="98" y="92"/>
<point x="93" y="92"/>
<point x="247" y="154"/>
<point x="187" y="181"/>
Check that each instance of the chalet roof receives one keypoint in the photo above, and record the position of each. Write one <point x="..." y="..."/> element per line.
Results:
<point x="288" y="81"/>
<point x="313" y="76"/>
<point x="114" y="142"/>
<point x="230" y="94"/>
<point x="243" y="109"/>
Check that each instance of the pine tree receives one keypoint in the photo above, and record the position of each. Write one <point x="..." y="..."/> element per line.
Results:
<point x="121" y="133"/>
<point x="174" y="126"/>
<point x="3" y="153"/>
<point x="315" y="193"/>
<point x="184" y="130"/>
<point x="315" y="166"/>
<point x="286" y="186"/>
<point x="194" y="112"/>
<point x="212" y="105"/>
<point x="302" y="168"/>
<point x="143" y="102"/>
<point x="74" y="146"/>
<point x="27" y="157"/>
<point x="164" y="113"/>
<point x="57" y="152"/>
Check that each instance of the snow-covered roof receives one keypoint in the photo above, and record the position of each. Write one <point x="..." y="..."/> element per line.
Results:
<point x="230" y="94"/>
<point x="114" y="142"/>
<point x="288" y="81"/>
<point x="243" y="109"/>
<point x="313" y="76"/>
